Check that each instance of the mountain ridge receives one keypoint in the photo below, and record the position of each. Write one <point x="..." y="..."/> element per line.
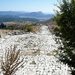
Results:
<point x="38" y="14"/>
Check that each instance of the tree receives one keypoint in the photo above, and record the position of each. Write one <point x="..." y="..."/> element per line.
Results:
<point x="2" y="26"/>
<point x="11" y="61"/>
<point x="65" y="21"/>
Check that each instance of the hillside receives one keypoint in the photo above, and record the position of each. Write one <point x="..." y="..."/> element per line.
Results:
<point x="6" y="16"/>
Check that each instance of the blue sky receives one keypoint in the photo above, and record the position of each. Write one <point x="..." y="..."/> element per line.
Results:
<point x="45" y="6"/>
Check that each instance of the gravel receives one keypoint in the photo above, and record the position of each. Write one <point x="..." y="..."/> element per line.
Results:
<point x="39" y="52"/>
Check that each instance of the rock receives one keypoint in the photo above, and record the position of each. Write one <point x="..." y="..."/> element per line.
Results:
<point x="38" y="51"/>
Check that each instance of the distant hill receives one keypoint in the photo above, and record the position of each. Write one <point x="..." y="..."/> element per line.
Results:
<point x="9" y="18"/>
<point x="24" y="16"/>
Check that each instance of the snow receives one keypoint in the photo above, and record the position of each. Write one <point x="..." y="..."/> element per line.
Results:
<point x="29" y="44"/>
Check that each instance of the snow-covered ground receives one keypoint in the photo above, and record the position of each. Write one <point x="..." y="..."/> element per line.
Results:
<point x="39" y="50"/>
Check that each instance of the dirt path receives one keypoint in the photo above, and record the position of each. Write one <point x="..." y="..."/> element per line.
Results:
<point x="39" y="48"/>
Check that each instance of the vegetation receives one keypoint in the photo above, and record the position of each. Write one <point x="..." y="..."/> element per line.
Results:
<point x="65" y="19"/>
<point x="29" y="28"/>
<point x="11" y="61"/>
<point x="22" y="26"/>
<point x="26" y="27"/>
<point x="2" y="26"/>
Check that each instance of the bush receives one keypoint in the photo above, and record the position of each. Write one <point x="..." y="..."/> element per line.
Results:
<point x="11" y="61"/>
<point x="29" y="29"/>
<point x="65" y="20"/>
<point x="2" y="26"/>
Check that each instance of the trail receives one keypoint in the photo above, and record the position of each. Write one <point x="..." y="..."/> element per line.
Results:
<point x="40" y="48"/>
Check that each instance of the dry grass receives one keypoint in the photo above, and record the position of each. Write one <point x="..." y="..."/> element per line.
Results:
<point x="52" y="27"/>
<point x="36" y="28"/>
<point x="4" y="32"/>
<point x="53" y="53"/>
<point x="11" y="61"/>
<point x="31" y="52"/>
<point x="18" y="23"/>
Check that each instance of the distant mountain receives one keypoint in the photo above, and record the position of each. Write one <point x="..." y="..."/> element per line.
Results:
<point x="9" y="18"/>
<point x="22" y="15"/>
<point x="39" y="14"/>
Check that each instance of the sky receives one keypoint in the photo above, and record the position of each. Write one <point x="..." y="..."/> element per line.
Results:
<point x="46" y="6"/>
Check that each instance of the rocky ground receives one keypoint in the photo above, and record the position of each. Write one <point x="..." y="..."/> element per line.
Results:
<point x="39" y="50"/>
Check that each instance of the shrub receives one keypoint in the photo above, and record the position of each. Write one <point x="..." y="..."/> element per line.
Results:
<point x="11" y="61"/>
<point x="2" y="26"/>
<point x="65" y="20"/>
<point x="29" y="29"/>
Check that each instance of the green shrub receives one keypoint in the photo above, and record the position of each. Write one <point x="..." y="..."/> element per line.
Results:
<point x="29" y="29"/>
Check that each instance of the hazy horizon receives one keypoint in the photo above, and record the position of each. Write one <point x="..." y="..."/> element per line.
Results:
<point x="45" y="6"/>
<point x="26" y="11"/>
